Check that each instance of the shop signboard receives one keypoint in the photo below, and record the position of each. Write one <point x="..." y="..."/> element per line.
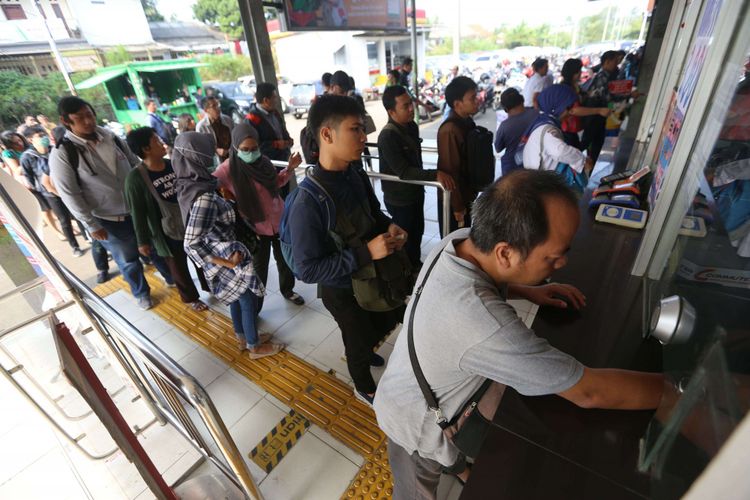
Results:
<point x="684" y="94"/>
<point x="620" y="87"/>
<point x="328" y="15"/>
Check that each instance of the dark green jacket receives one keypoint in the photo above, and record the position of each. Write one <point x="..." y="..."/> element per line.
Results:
<point x="402" y="157"/>
<point x="146" y="214"/>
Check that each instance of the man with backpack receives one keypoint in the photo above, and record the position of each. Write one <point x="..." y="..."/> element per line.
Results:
<point x="400" y="152"/>
<point x="88" y="168"/>
<point x="333" y="233"/>
<point x="464" y="151"/>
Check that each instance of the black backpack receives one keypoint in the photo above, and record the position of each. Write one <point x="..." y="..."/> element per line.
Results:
<point x="74" y="155"/>
<point x="310" y="149"/>
<point x="480" y="156"/>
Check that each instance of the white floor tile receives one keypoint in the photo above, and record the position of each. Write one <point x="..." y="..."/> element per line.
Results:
<point x="232" y="396"/>
<point x="341" y="375"/>
<point x="203" y="365"/>
<point x="251" y="428"/>
<point x="175" y="344"/>
<point x="337" y="445"/>
<point x="329" y="353"/>
<point x="317" y="304"/>
<point x="311" y="471"/>
<point x="23" y="445"/>
<point x="276" y="311"/>
<point x="277" y="403"/>
<point x="152" y="326"/>
<point x="385" y="351"/>
<point x="35" y="481"/>
<point x="305" y="331"/>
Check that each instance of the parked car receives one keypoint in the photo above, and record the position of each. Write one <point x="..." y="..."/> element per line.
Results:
<point x="234" y="98"/>
<point x="302" y="97"/>
<point x="285" y="89"/>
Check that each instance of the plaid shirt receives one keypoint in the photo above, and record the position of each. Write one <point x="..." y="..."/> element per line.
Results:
<point x="210" y="233"/>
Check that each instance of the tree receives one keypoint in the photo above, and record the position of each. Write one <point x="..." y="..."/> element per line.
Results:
<point x="117" y="55"/>
<point x="152" y="13"/>
<point x="222" y="14"/>
<point x="224" y="67"/>
<point x="30" y="95"/>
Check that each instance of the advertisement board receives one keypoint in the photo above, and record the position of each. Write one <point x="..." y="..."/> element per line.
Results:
<point x="330" y="15"/>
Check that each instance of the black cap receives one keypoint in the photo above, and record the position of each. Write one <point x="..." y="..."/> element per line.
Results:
<point x="341" y="79"/>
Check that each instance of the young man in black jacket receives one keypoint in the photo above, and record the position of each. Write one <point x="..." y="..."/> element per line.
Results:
<point x="400" y="152"/>
<point x="369" y="235"/>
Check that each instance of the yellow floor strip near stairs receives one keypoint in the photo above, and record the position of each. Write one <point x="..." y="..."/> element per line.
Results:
<point x="315" y="394"/>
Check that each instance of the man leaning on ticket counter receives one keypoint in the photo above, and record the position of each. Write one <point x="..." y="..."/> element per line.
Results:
<point x="464" y="331"/>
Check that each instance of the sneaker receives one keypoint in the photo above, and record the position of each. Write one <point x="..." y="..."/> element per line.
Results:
<point x="77" y="252"/>
<point x="377" y="360"/>
<point x="295" y="298"/>
<point x="145" y="303"/>
<point x="365" y="398"/>
<point x="102" y="276"/>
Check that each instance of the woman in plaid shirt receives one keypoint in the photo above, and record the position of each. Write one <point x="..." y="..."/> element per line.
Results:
<point x="211" y="242"/>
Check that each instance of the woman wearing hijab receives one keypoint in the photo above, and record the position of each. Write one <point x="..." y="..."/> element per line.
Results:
<point x="211" y="242"/>
<point x="544" y="146"/>
<point x="251" y="179"/>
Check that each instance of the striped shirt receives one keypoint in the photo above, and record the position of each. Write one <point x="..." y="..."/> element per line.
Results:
<point x="210" y="233"/>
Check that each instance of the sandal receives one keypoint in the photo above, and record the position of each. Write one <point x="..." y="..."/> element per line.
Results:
<point x="295" y="298"/>
<point x="264" y="338"/>
<point x="241" y="344"/>
<point x="268" y="350"/>
<point x="198" y="306"/>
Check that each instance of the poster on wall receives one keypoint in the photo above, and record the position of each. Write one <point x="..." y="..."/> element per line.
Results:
<point x="330" y="15"/>
<point x="681" y="99"/>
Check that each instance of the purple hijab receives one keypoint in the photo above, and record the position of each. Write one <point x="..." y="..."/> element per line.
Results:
<point x="552" y="101"/>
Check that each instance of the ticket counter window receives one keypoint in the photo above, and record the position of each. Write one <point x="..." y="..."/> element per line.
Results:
<point x="705" y="287"/>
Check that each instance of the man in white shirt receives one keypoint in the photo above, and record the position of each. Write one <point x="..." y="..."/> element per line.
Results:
<point x="536" y="83"/>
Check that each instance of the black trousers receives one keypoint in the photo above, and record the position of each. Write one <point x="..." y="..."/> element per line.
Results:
<point x="178" y="268"/>
<point x="454" y="224"/>
<point x="63" y="216"/>
<point x="572" y="139"/>
<point x="594" y="133"/>
<point x="261" y="260"/>
<point x="360" y="330"/>
<point x="410" y="218"/>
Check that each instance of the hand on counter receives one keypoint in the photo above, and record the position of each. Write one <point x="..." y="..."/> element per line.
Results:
<point x="553" y="294"/>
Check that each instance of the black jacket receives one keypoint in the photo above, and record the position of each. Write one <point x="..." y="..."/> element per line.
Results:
<point x="400" y="153"/>
<point x="258" y="119"/>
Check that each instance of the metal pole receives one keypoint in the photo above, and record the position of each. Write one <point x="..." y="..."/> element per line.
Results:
<point x="446" y="215"/>
<point x="414" y="57"/>
<point x="457" y="35"/>
<point x="55" y="52"/>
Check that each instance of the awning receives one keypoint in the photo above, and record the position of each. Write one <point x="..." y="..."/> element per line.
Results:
<point x="102" y="77"/>
<point x="166" y="66"/>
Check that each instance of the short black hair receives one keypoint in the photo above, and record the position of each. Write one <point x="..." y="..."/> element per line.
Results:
<point x="407" y="60"/>
<point x="263" y="91"/>
<point x="31" y="131"/>
<point x="570" y="68"/>
<point x="512" y="210"/>
<point x="394" y="72"/>
<point x="341" y="79"/>
<point x="140" y="138"/>
<point x="539" y="63"/>
<point x="329" y="110"/>
<point x="457" y="89"/>
<point x="390" y="94"/>
<point x="149" y="101"/>
<point x="326" y="79"/>
<point x="70" y="105"/>
<point x="608" y="56"/>
<point x="209" y="99"/>
<point x="511" y="98"/>
<point x="183" y="120"/>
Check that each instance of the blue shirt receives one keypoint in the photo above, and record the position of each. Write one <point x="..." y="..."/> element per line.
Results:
<point x="156" y="123"/>
<point x="509" y="134"/>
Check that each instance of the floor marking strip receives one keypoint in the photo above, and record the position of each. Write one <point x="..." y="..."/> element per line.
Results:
<point x="279" y="441"/>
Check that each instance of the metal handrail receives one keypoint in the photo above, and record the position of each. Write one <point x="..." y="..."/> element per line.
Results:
<point x="425" y="149"/>
<point x="94" y="309"/>
<point x="446" y="193"/>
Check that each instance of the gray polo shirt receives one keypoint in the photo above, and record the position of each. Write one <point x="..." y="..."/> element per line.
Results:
<point x="464" y="333"/>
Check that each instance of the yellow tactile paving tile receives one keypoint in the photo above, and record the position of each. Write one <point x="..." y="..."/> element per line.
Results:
<point x="319" y="396"/>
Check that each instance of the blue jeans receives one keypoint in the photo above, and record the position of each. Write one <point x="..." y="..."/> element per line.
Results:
<point x="243" y="318"/>
<point x="122" y="244"/>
